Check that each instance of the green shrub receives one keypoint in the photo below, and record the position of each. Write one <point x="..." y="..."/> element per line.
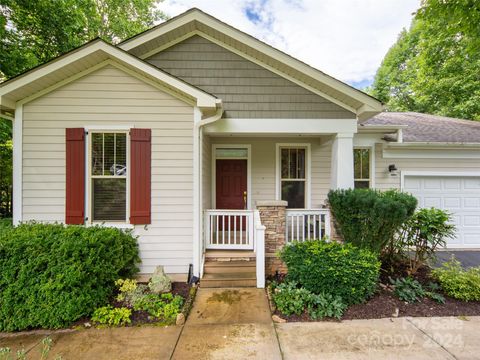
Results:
<point x="457" y="282"/>
<point x="289" y="299"/>
<point x="52" y="275"/>
<point x="422" y="234"/>
<point x="129" y="291"/>
<point x="341" y="270"/>
<point x="370" y="218"/>
<point x="108" y="315"/>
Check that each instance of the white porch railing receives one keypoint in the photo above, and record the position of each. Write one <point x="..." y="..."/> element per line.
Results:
<point x="229" y="229"/>
<point x="304" y="225"/>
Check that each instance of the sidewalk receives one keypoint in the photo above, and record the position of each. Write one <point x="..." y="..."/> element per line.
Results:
<point x="236" y="324"/>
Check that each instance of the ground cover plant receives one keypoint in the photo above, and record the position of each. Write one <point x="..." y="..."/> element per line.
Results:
<point x="135" y="301"/>
<point x="53" y="275"/>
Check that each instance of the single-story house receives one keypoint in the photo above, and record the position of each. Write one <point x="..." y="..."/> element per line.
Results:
<point x="211" y="145"/>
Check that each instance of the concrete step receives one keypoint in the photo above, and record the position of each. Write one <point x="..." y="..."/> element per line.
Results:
<point x="219" y="280"/>
<point x="215" y="267"/>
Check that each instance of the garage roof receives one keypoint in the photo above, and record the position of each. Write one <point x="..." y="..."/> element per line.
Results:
<point x="428" y="128"/>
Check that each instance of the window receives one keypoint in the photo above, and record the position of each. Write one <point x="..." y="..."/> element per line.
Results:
<point x="293" y="177"/>
<point x="109" y="176"/>
<point x="361" y="168"/>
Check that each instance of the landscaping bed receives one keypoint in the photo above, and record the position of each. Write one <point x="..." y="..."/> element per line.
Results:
<point x="384" y="304"/>
<point x="380" y="270"/>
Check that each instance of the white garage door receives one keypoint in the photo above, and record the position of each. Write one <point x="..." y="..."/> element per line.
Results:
<point x="458" y="195"/>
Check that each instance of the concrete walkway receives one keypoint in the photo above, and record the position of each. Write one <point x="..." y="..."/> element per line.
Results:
<point x="236" y="324"/>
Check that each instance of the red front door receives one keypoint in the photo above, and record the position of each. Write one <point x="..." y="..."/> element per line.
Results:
<point x="231" y="184"/>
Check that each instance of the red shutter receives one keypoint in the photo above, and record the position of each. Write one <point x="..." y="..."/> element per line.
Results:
<point x="140" y="174"/>
<point x="75" y="167"/>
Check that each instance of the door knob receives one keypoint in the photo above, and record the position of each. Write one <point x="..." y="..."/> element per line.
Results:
<point x="245" y="199"/>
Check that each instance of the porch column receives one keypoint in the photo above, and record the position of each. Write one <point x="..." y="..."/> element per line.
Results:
<point x="342" y="161"/>
<point x="273" y="217"/>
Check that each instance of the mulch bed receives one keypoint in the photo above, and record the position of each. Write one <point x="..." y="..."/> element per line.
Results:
<point x="384" y="304"/>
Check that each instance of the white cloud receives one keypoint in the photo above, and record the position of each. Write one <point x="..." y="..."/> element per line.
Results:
<point x="346" y="39"/>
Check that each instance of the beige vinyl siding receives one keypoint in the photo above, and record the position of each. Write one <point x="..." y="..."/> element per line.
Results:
<point x="263" y="158"/>
<point x="384" y="181"/>
<point x="247" y="89"/>
<point x="111" y="97"/>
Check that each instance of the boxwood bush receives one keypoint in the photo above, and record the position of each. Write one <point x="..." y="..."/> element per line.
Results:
<point x="52" y="275"/>
<point x="370" y="218"/>
<point x="341" y="270"/>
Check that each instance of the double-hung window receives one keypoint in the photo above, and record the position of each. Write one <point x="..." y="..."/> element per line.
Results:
<point x="293" y="176"/>
<point x="361" y="167"/>
<point x="108" y="176"/>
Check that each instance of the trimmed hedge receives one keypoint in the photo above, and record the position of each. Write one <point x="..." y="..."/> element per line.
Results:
<point x="52" y="275"/>
<point x="370" y="218"/>
<point x="333" y="268"/>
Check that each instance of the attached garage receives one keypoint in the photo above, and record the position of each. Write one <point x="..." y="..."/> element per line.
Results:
<point x="457" y="193"/>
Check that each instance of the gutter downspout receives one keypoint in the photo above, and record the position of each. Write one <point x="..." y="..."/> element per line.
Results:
<point x="197" y="183"/>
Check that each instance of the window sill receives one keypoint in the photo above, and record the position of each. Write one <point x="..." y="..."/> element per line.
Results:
<point x="113" y="225"/>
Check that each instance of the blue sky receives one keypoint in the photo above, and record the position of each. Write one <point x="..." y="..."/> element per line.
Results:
<point x="346" y="39"/>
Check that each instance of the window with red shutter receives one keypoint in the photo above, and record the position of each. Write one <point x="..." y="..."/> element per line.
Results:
<point x="140" y="176"/>
<point x="75" y="176"/>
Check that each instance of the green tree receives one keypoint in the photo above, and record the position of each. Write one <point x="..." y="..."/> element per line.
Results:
<point x="434" y="67"/>
<point x="33" y="32"/>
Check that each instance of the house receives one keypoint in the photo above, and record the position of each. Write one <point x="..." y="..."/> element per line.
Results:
<point x="211" y="145"/>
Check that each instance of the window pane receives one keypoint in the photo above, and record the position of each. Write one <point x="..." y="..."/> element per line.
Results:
<point x="109" y="199"/>
<point x="234" y="153"/>
<point x="357" y="161"/>
<point x="301" y="164"/>
<point x="285" y="163"/>
<point x="294" y="193"/>
<point x="362" y="184"/>
<point x="97" y="154"/>
<point x="365" y="164"/>
<point x="108" y="153"/>
<point x="293" y="164"/>
<point x="121" y="154"/>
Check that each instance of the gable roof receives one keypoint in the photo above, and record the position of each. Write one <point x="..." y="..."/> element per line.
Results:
<point x="429" y="128"/>
<point x="196" y="22"/>
<point x="88" y="57"/>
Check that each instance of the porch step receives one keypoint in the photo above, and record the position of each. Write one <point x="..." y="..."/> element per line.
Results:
<point x="234" y="279"/>
<point x="229" y="267"/>
<point x="229" y="255"/>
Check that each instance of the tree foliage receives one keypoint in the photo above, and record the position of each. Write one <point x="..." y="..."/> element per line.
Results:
<point x="434" y="67"/>
<point x="33" y="32"/>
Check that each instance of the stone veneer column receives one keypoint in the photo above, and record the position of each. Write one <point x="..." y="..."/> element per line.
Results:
<point x="273" y="217"/>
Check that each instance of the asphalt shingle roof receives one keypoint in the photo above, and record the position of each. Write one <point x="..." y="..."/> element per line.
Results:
<point x="429" y="128"/>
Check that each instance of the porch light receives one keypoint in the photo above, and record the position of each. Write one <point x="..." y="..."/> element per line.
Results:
<point x="392" y="170"/>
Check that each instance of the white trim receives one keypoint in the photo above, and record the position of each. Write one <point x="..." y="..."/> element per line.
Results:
<point x="116" y="128"/>
<point x="197" y="235"/>
<point x="249" y="170"/>
<point x="308" y="170"/>
<point x="435" y="173"/>
<point x="203" y="99"/>
<point x="88" y="188"/>
<point x="431" y="152"/>
<point x="17" y="197"/>
<point x="262" y="126"/>
<point x="371" y="149"/>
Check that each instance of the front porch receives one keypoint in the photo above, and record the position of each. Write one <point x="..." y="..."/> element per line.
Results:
<point x="249" y="184"/>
